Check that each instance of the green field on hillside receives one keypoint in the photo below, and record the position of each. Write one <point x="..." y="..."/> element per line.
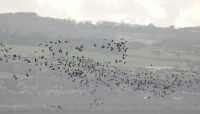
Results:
<point x="136" y="58"/>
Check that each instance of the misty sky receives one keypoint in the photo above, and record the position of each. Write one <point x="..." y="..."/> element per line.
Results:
<point x="164" y="13"/>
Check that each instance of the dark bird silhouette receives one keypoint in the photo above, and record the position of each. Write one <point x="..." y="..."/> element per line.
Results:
<point x="59" y="107"/>
<point x="15" y="77"/>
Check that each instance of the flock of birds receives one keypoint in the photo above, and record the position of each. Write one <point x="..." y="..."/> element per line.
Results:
<point x="91" y="74"/>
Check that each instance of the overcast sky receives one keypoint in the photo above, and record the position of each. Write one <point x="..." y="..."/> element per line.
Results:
<point x="164" y="13"/>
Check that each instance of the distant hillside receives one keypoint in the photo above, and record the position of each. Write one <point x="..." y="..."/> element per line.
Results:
<point x="29" y="28"/>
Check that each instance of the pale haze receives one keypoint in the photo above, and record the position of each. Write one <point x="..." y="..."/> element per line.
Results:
<point x="163" y="13"/>
<point x="99" y="56"/>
